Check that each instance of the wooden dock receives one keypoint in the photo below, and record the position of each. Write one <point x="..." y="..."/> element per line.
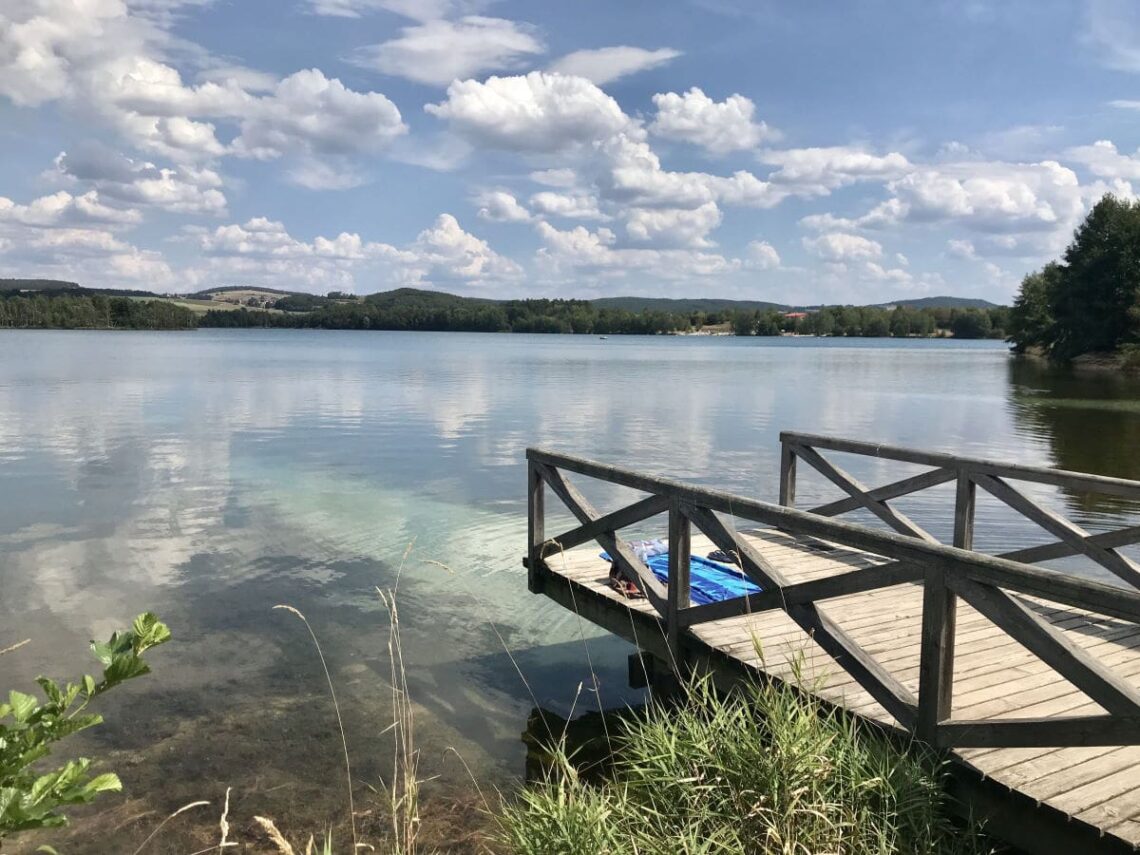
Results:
<point x="1029" y="677"/>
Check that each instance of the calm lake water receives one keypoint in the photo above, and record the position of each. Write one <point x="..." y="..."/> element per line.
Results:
<point x="209" y="476"/>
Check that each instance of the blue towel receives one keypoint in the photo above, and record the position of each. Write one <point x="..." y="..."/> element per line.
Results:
<point x="709" y="581"/>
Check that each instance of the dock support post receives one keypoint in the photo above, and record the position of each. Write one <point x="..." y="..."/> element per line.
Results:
<point x="536" y="526"/>
<point x="680" y="537"/>
<point x="787" y="475"/>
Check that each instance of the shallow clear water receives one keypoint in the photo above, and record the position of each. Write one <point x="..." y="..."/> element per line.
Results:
<point x="209" y="476"/>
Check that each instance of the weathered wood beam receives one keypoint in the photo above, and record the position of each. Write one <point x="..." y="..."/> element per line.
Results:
<point x="680" y="547"/>
<point x="635" y="513"/>
<point x="1077" y="481"/>
<point x="1061" y="528"/>
<point x="1047" y="643"/>
<point x="914" y="484"/>
<point x="535" y="523"/>
<point x="936" y="657"/>
<point x="848" y="484"/>
<point x="1062" y="549"/>
<point x="965" y="507"/>
<point x="879" y="683"/>
<point x="840" y="585"/>
<point x="787" y="476"/>
<point x="1055" y="732"/>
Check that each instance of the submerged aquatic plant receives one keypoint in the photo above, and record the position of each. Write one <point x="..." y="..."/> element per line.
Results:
<point x="766" y="769"/>
<point x="29" y="728"/>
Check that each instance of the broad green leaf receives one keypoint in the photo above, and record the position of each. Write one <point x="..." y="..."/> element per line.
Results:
<point x="51" y="690"/>
<point x="102" y="651"/>
<point x="124" y="667"/>
<point x="22" y="705"/>
<point x="107" y="782"/>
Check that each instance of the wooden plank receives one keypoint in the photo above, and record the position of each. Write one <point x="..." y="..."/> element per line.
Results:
<point x="1058" y="526"/>
<point x="895" y="519"/>
<point x="1103" y="792"/>
<point x="635" y="513"/>
<point x="914" y="484"/>
<point x="1091" y="769"/>
<point x="1042" y="640"/>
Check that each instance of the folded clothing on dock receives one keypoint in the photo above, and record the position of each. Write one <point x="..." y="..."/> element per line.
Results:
<point x="709" y="581"/>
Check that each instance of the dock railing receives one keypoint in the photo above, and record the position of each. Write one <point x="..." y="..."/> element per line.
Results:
<point x="996" y="586"/>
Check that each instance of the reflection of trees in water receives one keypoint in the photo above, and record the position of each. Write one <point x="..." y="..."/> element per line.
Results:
<point x="1090" y="421"/>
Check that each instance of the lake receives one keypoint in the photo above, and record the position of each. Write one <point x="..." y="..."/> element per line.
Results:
<point x="210" y="476"/>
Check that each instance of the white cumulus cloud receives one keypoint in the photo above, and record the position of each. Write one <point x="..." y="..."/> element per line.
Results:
<point x="762" y="255"/>
<point x="537" y="112"/>
<point x="501" y="207"/>
<point x="718" y="126"/>
<point x="841" y="247"/>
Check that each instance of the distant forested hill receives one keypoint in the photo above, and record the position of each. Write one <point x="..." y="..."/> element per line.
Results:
<point x="941" y="303"/>
<point x="224" y="289"/>
<point x="716" y="305"/>
<point x="37" y="285"/>
<point x="685" y="306"/>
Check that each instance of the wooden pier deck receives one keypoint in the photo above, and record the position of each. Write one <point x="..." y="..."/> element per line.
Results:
<point x="1029" y="677"/>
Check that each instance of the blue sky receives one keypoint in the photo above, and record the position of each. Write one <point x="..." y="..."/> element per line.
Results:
<point x="801" y="152"/>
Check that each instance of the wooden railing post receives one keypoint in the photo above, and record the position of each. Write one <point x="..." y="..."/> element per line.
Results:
<point x="536" y="526"/>
<point x="680" y="537"/>
<point x="787" y="475"/>
<point x="964" y="502"/>
<point x="936" y="663"/>
<point x="939" y="617"/>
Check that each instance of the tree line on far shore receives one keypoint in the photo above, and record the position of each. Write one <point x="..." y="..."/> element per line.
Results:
<point x="878" y="322"/>
<point x="77" y="311"/>
<point x="1089" y="301"/>
<point x="430" y="311"/>
<point x="433" y="313"/>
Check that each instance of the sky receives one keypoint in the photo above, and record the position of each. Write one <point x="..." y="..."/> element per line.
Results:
<point x="802" y="152"/>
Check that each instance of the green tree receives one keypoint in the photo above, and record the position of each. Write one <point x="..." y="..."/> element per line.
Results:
<point x="900" y="322"/>
<point x="744" y="323"/>
<point x="971" y="323"/>
<point x="1031" y="322"/>
<point x="1097" y="306"/>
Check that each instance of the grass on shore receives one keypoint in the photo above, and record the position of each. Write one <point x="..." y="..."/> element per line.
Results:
<point x="765" y="771"/>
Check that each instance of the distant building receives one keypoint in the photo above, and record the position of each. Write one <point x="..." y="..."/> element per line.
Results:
<point x="795" y="316"/>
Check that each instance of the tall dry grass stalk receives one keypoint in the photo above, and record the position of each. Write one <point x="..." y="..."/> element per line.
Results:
<point x="15" y="646"/>
<point x="339" y="722"/>
<point x="403" y="790"/>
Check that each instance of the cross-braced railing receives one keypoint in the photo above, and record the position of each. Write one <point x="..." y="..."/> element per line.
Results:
<point x="996" y="586"/>
<point x="968" y="474"/>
